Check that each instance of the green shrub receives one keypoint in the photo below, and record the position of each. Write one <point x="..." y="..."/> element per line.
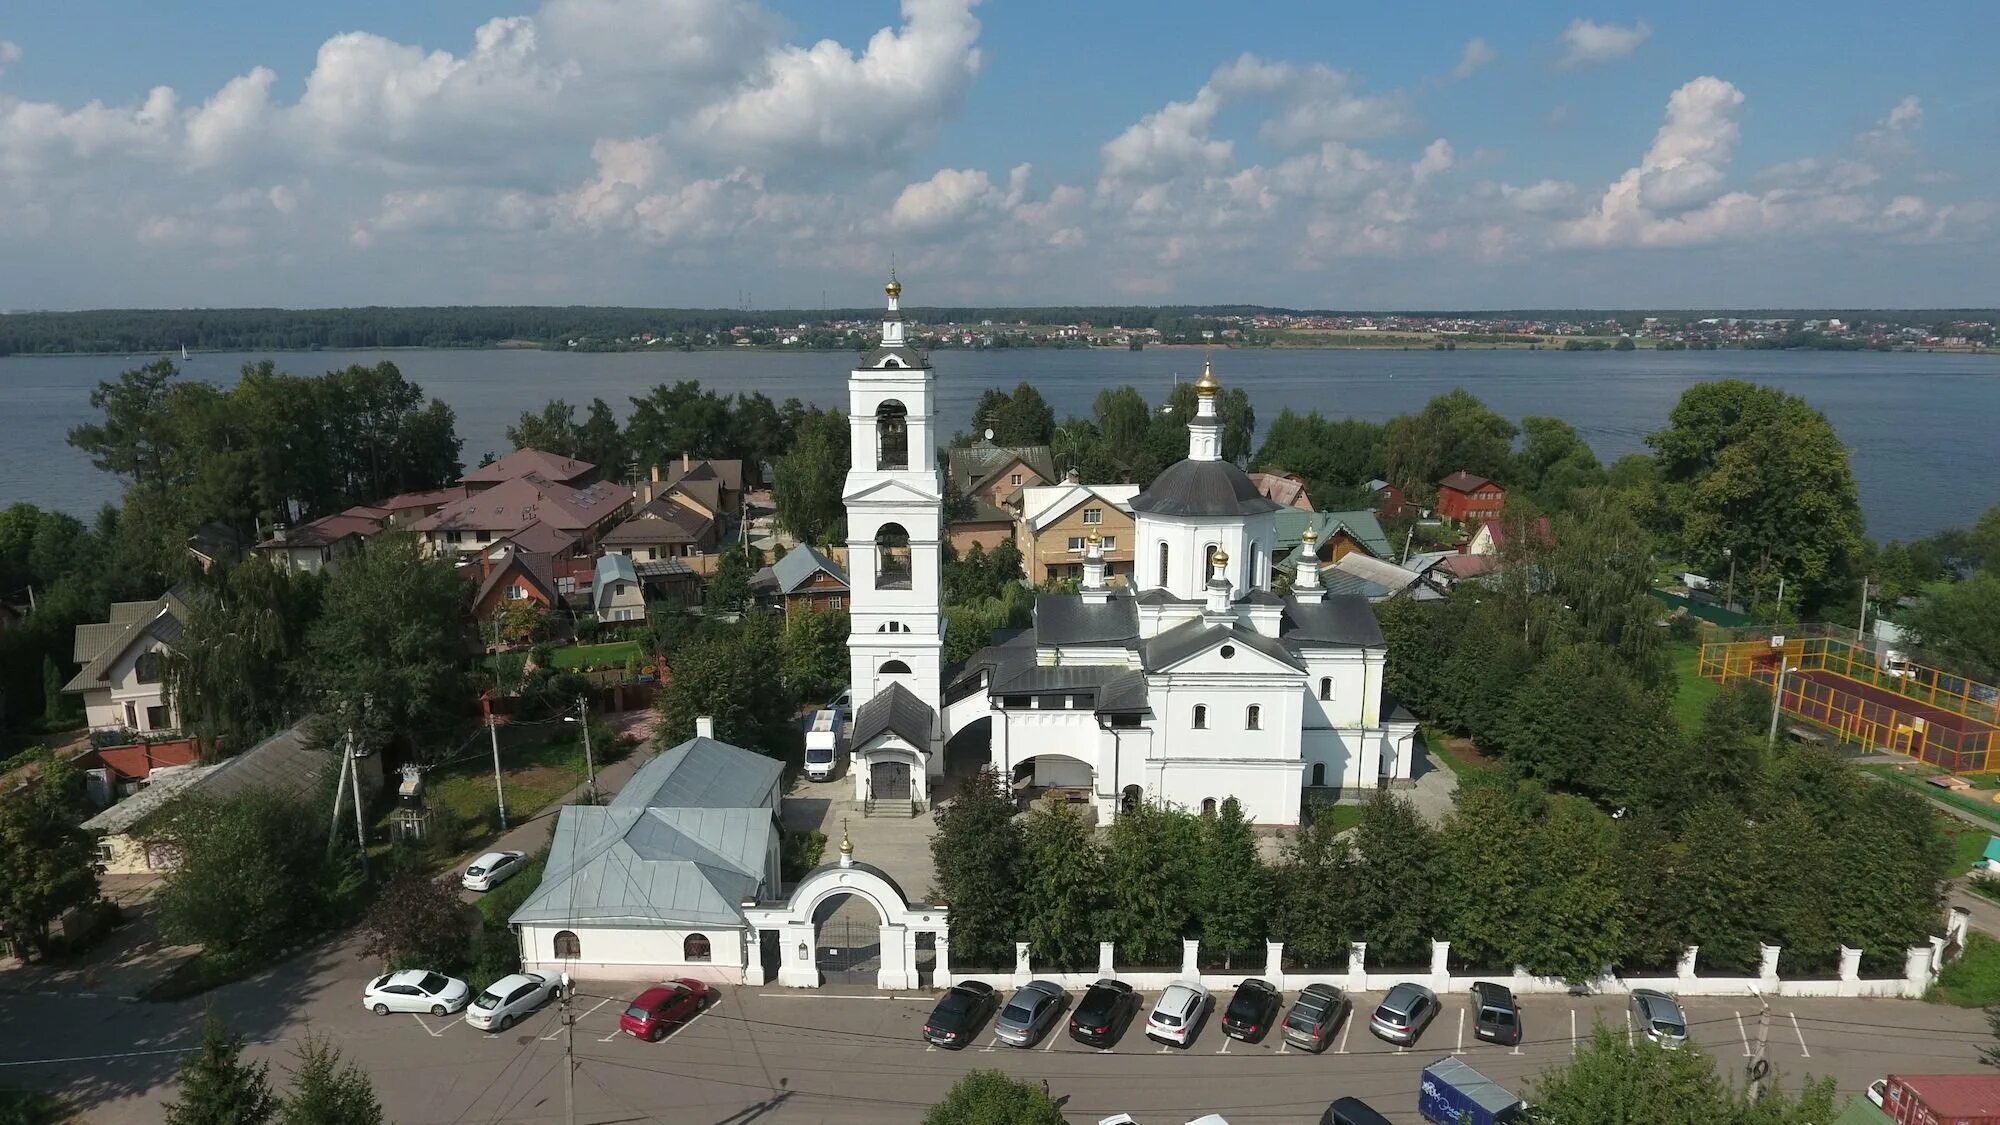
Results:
<point x="1972" y="981"/>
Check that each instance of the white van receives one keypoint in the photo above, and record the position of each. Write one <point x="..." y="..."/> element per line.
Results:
<point x="823" y="747"/>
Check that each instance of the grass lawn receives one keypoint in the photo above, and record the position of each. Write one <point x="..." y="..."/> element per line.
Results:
<point x="1912" y="777"/>
<point x="1968" y="844"/>
<point x="570" y="657"/>
<point x="1972" y="981"/>
<point x="1456" y="754"/>
<point x="1692" y="694"/>
<point x="1344" y="816"/>
<point x="534" y="774"/>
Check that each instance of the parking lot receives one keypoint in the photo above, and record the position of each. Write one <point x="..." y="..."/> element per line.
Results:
<point x="853" y="1055"/>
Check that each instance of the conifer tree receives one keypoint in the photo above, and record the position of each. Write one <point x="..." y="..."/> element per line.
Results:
<point x="216" y="1087"/>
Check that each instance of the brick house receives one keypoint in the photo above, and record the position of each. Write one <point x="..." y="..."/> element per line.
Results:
<point x="998" y="473"/>
<point x="504" y="509"/>
<point x="509" y="574"/>
<point x="674" y="525"/>
<point x="717" y="484"/>
<point x="1056" y="521"/>
<point x="1466" y="498"/>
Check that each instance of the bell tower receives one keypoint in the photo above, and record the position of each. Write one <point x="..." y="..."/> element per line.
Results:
<point x="895" y="524"/>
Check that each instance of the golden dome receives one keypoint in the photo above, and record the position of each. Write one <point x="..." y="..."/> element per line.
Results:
<point x="1220" y="558"/>
<point x="1309" y="536"/>
<point x="1208" y="385"/>
<point x="1095" y="538"/>
<point x="846" y="845"/>
<point x="894" y="288"/>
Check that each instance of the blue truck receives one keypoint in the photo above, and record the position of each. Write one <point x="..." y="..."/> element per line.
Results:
<point x="1453" y="1093"/>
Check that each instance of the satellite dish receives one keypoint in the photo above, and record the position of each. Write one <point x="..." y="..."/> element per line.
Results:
<point x="989" y="433"/>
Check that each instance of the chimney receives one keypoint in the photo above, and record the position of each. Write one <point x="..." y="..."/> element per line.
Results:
<point x="704" y="727"/>
<point x="1072" y="477"/>
<point x="656" y="474"/>
<point x="684" y="461"/>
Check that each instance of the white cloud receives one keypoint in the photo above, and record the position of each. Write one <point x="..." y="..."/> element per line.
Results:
<point x="1587" y="41"/>
<point x="10" y="52"/>
<point x="1437" y="158"/>
<point x="1541" y="197"/>
<point x="1477" y="53"/>
<point x="1907" y="113"/>
<point x="949" y="197"/>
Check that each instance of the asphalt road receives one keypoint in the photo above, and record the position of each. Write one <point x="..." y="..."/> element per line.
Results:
<point x="775" y="1056"/>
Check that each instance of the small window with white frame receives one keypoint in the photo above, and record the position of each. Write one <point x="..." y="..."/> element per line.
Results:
<point x="1093" y="515"/>
<point x="1076" y="544"/>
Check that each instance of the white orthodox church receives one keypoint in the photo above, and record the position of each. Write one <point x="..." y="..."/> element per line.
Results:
<point x="1195" y="684"/>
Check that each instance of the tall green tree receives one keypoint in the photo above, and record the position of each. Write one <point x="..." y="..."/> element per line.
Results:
<point x="815" y="653"/>
<point x="1958" y="626"/>
<point x="1062" y="881"/>
<point x="728" y="589"/>
<point x="807" y="488"/>
<point x="327" y="1092"/>
<point x="48" y="863"/>
<point x="216" y="1087"/>
<point x="234" y="673"/>
<point x="734" y="675"/>
<point x="977" y="854"/>
<point x="1151" y="883"/>
<point x="1232" y="881"/>
<point x="1574" y="920"/>
<point x="1336" y="457"/>
<point x="551" y="429"/>
<point x="1613" y="1080"/>
<point x="1312" y="897"/>
<point x="600" y="441"/>
<point x="416" y="920"/>
<point x="1489" y="846"/>
<point x="1453" y="431"/>
<point x="1399" y="881"/>
<point x="990" y="1097"/>
<point x="1020" y="418"/>
<point x="391" y="653"/>
<point x="680" y="418"/>
<point x="1759" y="473"/>
<point x="253" y="872"/>
<point x="1721" y="902"/>
<point x="1555" y="462"/>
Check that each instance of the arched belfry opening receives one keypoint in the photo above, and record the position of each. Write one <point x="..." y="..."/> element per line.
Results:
<point x="892" y="436"/>
<point x="892" y="557"/>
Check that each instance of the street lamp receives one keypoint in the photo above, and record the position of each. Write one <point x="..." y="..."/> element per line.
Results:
<point x="1777" y="697"/>
<point x="582" y="719"/>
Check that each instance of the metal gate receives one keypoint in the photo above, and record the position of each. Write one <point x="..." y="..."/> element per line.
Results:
<point x="850" y="950"/>
<point x="889" y="781"/>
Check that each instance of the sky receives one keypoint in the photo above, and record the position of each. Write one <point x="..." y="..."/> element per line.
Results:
<point x="783" y="153"/>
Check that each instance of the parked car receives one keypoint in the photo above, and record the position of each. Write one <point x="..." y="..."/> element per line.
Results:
<point x="1659" y="1017"/>
<point x="959" y="1012"/>
<point x="509" y="1000"/>
<point x="1034" y="1007"/>
<point x="1495" y="1017"/>
<point x="1104" y="1013"/>
<point x="1878" y="1092"/>
<point x="1351" y="1111"/>
<point x="655" y="1010"/>
<point x="1252" y="1010"/>
<point x="1178" y="1013"/>
<point x="415" y="990"/>
<point x="1403" y="1014"/>
<point x="1315" y="1016"/>
<point x="492" y="869"/>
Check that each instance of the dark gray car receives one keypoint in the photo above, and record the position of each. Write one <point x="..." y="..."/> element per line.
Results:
<point x="1315" y="1016"/>
<point x="1030" y="1013"/>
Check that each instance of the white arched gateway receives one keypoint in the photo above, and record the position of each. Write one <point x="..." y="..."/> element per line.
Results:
<point x="790" y="923"/>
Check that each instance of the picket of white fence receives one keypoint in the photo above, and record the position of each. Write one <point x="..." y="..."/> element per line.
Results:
<point x="1921" y="964"/>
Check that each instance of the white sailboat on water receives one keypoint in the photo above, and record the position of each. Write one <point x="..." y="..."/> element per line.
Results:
<point x="184" y="353"/>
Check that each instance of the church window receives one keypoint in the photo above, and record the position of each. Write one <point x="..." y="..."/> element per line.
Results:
<point x="696" y="948"/>
<point x="892" y="436"/>
<point x="895" y="668"/>
<point x="1253" y="718"/>
<point x="1326" y="687"/>
<point x="1319" y="774"/>
<point x="1208" y="806"/>
<point x="1093" y="515"/>
<point x="1201" y="716"/>
<point x="1256" y="572"/>
<point x="892" y="557"/>
<point x="1208" y="561"/>
<point x="1163" y="562"/>
<point x="568" y="948"/>
<point x="1228" y="652"/>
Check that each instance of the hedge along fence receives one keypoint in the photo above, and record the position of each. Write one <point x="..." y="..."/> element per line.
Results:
<point x="1921" y="965"/>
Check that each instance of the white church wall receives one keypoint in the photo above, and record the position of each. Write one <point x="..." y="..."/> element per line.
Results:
<point x="1022" y="734"/>
<point x="1268" y="791"/>
<point x="1227" y="700"/>
<point x="867" y="390"/>
<point x="1344" y="753"/>
<point x="634" y="953"/>
<point x="1187" y="542"/>
<point x="1350" y="675"/>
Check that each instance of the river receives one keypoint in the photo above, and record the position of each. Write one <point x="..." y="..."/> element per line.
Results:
<point x="1922" y="428"/>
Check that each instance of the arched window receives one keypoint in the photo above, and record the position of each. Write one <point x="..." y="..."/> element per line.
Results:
<point x="892" y="436"/>
<point x="1208" y="562"/>
<point x="1255" y="575"/>
<point x="1326" y="687"/>
<point x="894" y="668"/>
<point x="567" y="947"/>
<point x="1208" y="806"/>
<point x="1130" y="798"/>
<point x="1253" y="718"/>
<point x="1319" y="774"/>
<point x="149" y="667"/>
<point x="1163" y="562"/>
<point x="696" y="948"/>
<point x="892" y="557"/>
<point x="1201" y="716"/>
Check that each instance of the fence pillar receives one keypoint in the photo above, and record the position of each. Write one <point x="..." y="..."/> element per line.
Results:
<point x="1441" y="966"/>
<point x="1274" y="964"/>
<point x="941" y="968"/>
<point x="1191" y="959"/>
<point x="1357" y="966"/>
<point x="1767" y="968"/>
<point x="1956" y="924"/>
<point x="1023" y="972"/>
<point x="1106" y="954"/>
<point x="753" y="957"/>
<point x="1684" y="972"/>
<point x="1850" y="971"/>
<point x="1918" y="970"/>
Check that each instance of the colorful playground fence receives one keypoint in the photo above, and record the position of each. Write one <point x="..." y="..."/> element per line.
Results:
<point x="1838" y="682"/>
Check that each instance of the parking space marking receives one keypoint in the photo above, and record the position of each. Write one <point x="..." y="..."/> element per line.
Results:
<point x="1802" y="1035"/>
<point x="427" y="1027"/>
<point x="1628" y="1027"/>
<point x="1743" y="1034"/>
<point x="612" y="1036"/>
<point x="1572" y="1031"/>
<point x="1461" y="1033"/>
<point x="1052" y="1037"/>
<point x="1224" y="1049"/>
<point x="1284" y="1045"/>
<point x="1346" y="1030"/>
<point x="557" y="1033"/>
<point x="991" y="1043"/>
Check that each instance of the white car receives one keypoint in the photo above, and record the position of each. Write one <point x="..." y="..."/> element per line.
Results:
<point x="509" y="1000"/>
<point x="493" y="869"/>
<point x="1878" y="1090"/>
<point x="415" y="990"/>
<point x="1177" y="1015"/>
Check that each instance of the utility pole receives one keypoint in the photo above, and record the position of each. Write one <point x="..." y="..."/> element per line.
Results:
<point x="354" y="779"/>
<point x="589" y="766"/>
<point x="569" y="1060"/>
<point x="1781" y="596"/>
<point x="1777" y="697"/>
<point x="1861" y="630"/>
<point x="1729" y="596"/>
<point x="340" y="791"/>
<point x="499" y="791"/>
<point x="1759" y="1066"/>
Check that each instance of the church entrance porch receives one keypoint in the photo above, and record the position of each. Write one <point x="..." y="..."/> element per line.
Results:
<point x="1058" y="777"/>
<point x="849" y="922"/>
<point x="889" y="781"/>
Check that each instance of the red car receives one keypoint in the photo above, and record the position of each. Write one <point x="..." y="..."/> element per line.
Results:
<point x="657" y="1009"/>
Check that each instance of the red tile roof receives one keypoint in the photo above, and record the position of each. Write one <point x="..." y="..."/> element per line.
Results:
<point x="1462" y="481"/>
<point x="512" y="505"/>
<point x="431" y="498"/>
<point x="524" y="462"/>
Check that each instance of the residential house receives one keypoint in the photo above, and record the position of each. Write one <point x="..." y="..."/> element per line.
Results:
<point x="806" y="579"/>
<point x="321" y="544"/>
<point x="1335" y="534"/>
<point x="1056" y="521"/>
<point x="123" y="678"/>
<point x="1491" y="536"/>
<point x="571" y="568"/>
<point x="214" y="543"/>
<point x="1285" y="489"/>
<point x="407" y="508"/>
<point x="1388" y="499"/>
<point x="1466" y="498"/>
<point x="652" y="885"/>
<point x="521" y="463"/>
<point x="674" y="525"/>
<point x="996" y="474"/>
<point x="504" y="509"/>
<point x="987" y="527"/>
<point x="717" y="483"/>
<point x="615" y="594"/>
<point x="509" y="574"/>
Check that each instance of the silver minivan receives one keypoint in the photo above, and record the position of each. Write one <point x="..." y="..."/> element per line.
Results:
<point x="1659" y="1017"/>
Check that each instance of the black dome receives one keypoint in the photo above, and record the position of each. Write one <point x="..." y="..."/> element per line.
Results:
<point x="1203" y="488"/>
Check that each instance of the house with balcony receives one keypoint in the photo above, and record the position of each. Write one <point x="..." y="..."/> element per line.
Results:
<point x="124" y="663"/>
<point x="1057" y="520"/>
<point x="486" y="516"/>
